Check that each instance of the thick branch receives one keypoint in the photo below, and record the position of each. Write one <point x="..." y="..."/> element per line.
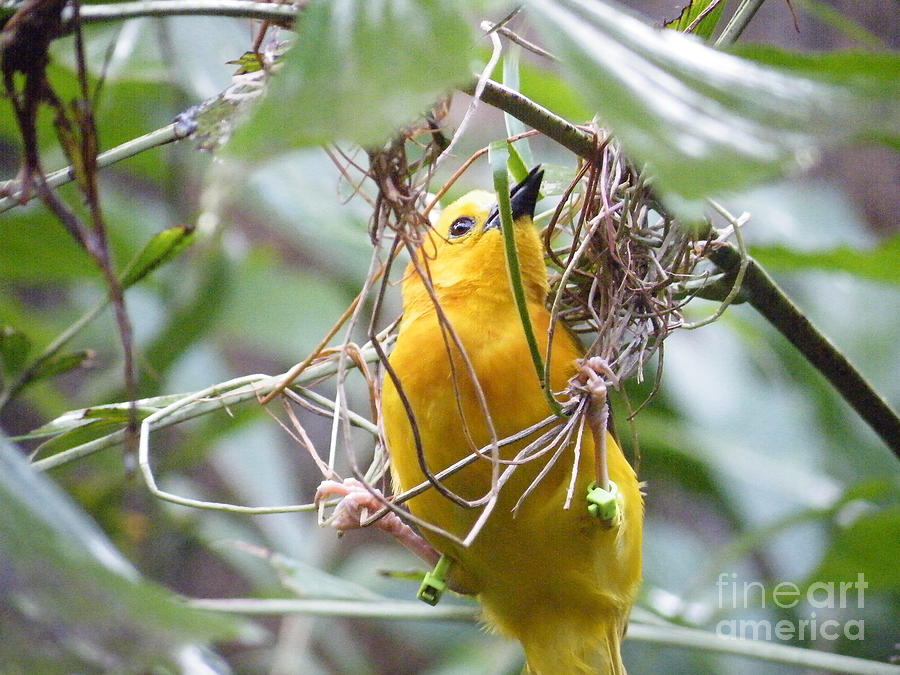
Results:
<point x="768" y="299"/>
<point x="537" y="117"/>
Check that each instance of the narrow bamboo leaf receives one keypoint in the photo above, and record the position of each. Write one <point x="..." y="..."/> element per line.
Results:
<point x="522" y="150"/>
<point x="704" y="27"/>
<point x="162" y="247"/>
<point x="61" y="363"/>
<point x="113" y="411"/>
<point x="72" y="603"/>
<point x="869" y="75"/>
<point x="707" y="121"/>
<point x="360" y="71"/>
<point x="57" y="426"/>
<point x="878" y="264"/>
<point x="516" y="163"/>
<point x="69" y="143"/>
<point x="83" y="433"/>
<point x="121" y="412"/>
<point x="14" y="348"/>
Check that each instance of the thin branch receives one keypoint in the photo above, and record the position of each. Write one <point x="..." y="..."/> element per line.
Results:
<point x="247" y="388"/>
<point x="677" y="636"/>
<point x="693" y="638"/>
<point x="739" y="20"/>
<point x="382" y="609"/>
<point x="519" y="40"/>
<point x="233" y="8"/>
<point x="166" y="134"/>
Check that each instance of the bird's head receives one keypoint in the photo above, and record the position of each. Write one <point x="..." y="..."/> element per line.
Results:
<point x="464" y="253"/>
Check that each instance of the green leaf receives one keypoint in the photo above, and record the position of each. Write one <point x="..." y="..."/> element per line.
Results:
<point x="187" y="324"/>
<point x="72" y="603"/>
<point x="878" y="264"/>
<point x="61" y="363"/>
<point x="112" y="411"/>
<point x="863" y="548"/>
<point x="521" y="152"/>
<point x="704" y="27"/>
<point x="85" y="432"/>
<point x="161" y="248"/>
<point x="248" y="62"/>
<point x="516" y="162"/>
<point x="870" y="73"/>
<point x="553" y="92"/>
<point x="14" y="348"/>
<point x="707" y="121"/>
<point x="360" y="71"/>
<point x="27" y="233"/>
<point x="498" y="158"/>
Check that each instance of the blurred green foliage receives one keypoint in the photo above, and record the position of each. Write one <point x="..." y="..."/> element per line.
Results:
<point x="755" y="467"/>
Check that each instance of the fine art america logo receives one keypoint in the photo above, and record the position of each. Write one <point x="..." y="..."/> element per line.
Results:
<point x="821" y="609"/>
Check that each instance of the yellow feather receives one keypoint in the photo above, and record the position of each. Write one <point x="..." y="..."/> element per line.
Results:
<point x="555" y="579"/>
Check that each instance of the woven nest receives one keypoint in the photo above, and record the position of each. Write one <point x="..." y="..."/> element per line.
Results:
<point x="617" y="261"/>
<point x="619" y="275"/>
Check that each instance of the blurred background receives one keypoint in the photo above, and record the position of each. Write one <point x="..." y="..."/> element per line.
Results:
<point x="754" y="466"/>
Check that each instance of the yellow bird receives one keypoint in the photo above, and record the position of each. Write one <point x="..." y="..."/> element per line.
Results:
<point x="557" y="579"/>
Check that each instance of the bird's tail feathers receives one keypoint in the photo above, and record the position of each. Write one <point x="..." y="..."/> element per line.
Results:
<point x="572" y="647"/>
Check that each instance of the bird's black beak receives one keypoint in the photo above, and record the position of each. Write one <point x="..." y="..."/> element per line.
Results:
<point x="522" y="197"/>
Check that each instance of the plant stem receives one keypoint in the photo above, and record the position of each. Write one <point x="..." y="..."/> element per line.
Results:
<point x="739" y="20"/>
<point x="378" y="609"/>
<point x="166" y="134"/>
<point x="757" y="649"/>
<point x="499" y="157"/>
<point x="52" y="349"/>
<point x="690" y="638"/>
<point x="234" y="8"/>
<point x="247" y="388"/>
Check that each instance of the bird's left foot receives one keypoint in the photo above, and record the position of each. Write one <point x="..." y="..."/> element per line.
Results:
<point x="592" y="376"/>
<point x="358" y="502"/>
<point x="603" y="495"/>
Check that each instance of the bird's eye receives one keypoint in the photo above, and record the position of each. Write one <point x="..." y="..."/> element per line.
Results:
<point x="461" y="226"/>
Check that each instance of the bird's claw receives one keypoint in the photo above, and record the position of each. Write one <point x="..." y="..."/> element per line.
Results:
<point x="357" y="502"/>
<point x="593" y="376"/>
